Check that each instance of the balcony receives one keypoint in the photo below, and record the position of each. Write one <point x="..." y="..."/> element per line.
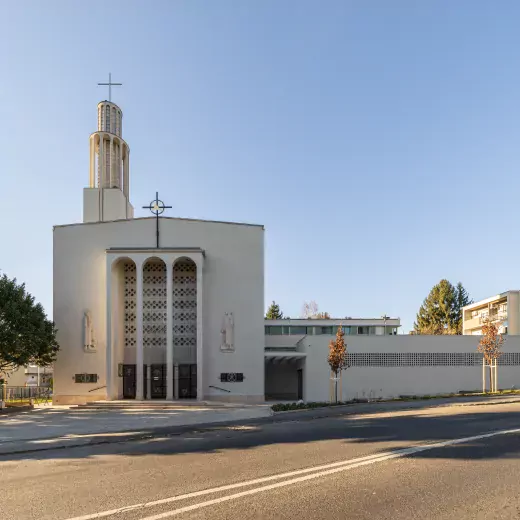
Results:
<point x="473" y="323"/>
<point x="33" y="369"/>
<point x="493" y="316"/>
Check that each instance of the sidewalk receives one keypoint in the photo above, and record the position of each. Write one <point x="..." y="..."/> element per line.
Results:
<point x="63" y="427"/>
<point x="49" y="427"/>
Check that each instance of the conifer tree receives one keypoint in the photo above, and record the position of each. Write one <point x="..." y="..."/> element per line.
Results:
<point x="274" y="312"/>
<point x="462" y="299"/>
<point x="441" y="311"/>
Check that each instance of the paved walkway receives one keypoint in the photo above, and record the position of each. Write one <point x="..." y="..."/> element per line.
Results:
<point x="58" y="426"/>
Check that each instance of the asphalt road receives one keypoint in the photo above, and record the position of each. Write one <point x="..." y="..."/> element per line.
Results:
<point x="332" y="468"/>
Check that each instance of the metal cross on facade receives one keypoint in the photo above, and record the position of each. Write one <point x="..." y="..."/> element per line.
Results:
<point x="157" y="207"/>
<point x="110" y="84"/>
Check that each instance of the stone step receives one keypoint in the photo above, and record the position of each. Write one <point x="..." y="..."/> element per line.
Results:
<point x="155" y="405"/>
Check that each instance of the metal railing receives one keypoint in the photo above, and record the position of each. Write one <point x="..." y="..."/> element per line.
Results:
<point x="20" y="394"/>
<point x="494" y="316"/>
<point x="218" y="388"/>
<point x="98" y="388"/>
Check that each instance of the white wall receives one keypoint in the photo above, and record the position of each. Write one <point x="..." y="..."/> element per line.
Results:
<point x="359" y="382"/>
<point x="233" y="281"/>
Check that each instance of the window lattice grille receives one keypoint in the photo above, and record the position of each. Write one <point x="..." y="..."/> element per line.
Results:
<point x="425" y="359"/>
<point x="130" y="304"/>
<point x="184" y="309"/>
<point x="154" y="304"/>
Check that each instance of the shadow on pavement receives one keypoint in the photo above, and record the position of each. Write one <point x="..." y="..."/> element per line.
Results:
<point x="382" y="428"/>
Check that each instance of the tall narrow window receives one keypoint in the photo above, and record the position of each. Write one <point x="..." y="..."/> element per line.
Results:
<point x="107" y="119"/>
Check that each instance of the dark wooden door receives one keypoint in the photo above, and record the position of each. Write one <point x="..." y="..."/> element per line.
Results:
<point x="187" y="381"/>
<point x="158" y="390"/>
<point x="300" y="383"/>
<point x="129" y="380"/>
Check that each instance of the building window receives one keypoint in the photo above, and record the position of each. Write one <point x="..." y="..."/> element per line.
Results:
<point x="327" y="330"/>
<point x="363" y="331"/>
<point x="298" y="330"/>
<point x="107" y="119"/>
<point x="275" y="331"/>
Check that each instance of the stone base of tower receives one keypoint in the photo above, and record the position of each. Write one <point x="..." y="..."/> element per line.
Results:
<point x="105" y="204"/>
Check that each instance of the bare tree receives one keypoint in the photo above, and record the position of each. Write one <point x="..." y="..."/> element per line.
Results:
<point x="310" y="311"/>
<point x="489" y="346"/>
<point x="323" y="316"/>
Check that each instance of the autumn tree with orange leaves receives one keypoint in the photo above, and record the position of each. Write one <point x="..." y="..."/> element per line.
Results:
<point x="490" y="347"/>
<point x="338" y="360"/>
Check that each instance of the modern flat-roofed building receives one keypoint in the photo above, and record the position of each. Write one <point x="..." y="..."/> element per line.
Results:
<point x="286" y="367"/>
<point x="502" y="309"/>
<point x="316" y="327"/>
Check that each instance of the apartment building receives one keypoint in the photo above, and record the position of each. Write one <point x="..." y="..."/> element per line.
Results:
<point x="502" y="309"/>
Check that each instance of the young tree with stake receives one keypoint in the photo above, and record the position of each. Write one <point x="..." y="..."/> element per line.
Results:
<point x="490" y="347"/>
<point x="338" y="360"/>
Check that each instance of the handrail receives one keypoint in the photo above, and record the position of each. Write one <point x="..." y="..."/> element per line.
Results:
<point x="98" y="388"/>
<point x="218" y="388"/>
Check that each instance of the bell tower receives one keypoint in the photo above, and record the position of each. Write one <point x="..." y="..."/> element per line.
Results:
<point x="107" y="196"/>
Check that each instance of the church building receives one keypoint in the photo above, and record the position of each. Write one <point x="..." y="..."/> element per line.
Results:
<point x="154" y="307"/>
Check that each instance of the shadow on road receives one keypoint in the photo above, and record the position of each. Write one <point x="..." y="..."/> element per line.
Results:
<point x="384" y="429"/>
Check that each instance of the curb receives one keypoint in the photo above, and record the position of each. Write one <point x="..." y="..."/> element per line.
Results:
<point x="492" y="401"/>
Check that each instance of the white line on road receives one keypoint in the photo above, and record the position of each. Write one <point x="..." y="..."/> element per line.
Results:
<point x="316" y="472"/>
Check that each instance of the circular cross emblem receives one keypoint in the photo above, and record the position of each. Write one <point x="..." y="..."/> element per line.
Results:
<point x="157" y="206"/>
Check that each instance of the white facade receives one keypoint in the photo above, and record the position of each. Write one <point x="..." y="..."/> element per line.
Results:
<point x="383" y="367"/>
<point x="139" y="321"/>
<point x="88" y="260"/>
<point x="502" y="309"/>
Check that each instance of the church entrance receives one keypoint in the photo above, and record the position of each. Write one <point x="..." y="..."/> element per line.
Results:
<point x="188" y="381"/>
<point x="160" y="310"/>
<point x="129" y="380"/>
<point x="158" y="386"/>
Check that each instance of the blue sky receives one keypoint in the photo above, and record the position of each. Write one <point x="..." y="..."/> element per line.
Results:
<point x="377" y="141"/>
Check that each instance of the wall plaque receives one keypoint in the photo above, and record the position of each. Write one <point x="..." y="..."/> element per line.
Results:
<point x="231" y="377"/>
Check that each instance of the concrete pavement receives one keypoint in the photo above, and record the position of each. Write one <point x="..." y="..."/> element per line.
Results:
<point x="64" y="426"/>
<point x="219" y="473"/>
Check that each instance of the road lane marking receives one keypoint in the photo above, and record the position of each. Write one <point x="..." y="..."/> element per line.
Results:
<point x="221" y="488"/>
<point x="316" y="472"/>
<point x="381" y="458"/>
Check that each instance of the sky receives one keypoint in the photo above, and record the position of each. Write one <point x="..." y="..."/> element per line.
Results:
<point x="377" y="141"/>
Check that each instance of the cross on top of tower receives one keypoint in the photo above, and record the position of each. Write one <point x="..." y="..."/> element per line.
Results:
<point x="110" y="84"/>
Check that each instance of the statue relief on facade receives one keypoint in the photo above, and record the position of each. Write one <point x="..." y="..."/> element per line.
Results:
<point x="227" y="343"/>
<point x="89" y="342"/>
